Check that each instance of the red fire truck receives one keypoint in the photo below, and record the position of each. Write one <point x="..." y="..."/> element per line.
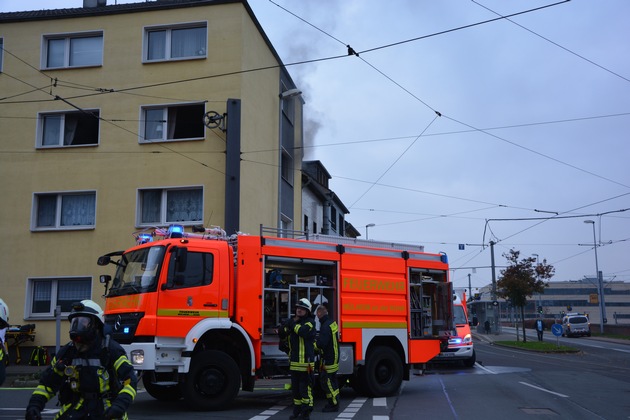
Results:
<point x="198" y="313"/>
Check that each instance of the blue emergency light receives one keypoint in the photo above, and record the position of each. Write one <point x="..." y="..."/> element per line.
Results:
<point x="175" y="231"/>
<point x="143" y="238"/>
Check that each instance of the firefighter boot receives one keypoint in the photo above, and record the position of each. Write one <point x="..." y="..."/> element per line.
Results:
<point x="296" y="412"/>
<point x="330" y="408"/>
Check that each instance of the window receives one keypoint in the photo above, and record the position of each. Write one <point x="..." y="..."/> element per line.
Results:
<point x="199" y="267"/>
<point x="76" y="210"/>
<point x="165" y="206"/>
<point x="333" y="218"/>
<point x="73" y="50"/>
<point x="177" y="42"/>
<point x="47" y="293"/>
<point x="287" y="167"/>
<point x="178" y="122"/>
<point x="65" y="129"/>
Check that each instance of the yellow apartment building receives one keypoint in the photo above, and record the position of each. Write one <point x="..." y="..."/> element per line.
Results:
<point x="118" y="118"/>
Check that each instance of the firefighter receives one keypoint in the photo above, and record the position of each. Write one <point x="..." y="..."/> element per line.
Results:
<point x="328" y="346"/>
<point x="4" y="325"/>
<point x="92" y="374"/>
<point x="301" y="333"/>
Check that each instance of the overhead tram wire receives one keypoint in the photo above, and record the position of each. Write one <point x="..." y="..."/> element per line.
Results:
<point x="555" y="43"/>
<point x="297" y="63"/>
<point x="352" y="52"/>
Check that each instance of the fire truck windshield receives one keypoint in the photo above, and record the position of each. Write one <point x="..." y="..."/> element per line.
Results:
<point x="138" y="271"/>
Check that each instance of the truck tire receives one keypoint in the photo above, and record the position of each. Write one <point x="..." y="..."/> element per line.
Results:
<point x="470" y="362"/>
<point x="383" y="372"/>
<point x="161" y="392"/>
<point x="212" y="382"/>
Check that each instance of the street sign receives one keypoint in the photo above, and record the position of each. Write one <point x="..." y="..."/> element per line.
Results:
<point x="556" y="329"/>
<point x="495" y="303"/>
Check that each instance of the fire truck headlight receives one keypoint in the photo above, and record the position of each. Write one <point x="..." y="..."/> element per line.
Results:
<point x="137" y="357"/>
<point x="468" y="339"/>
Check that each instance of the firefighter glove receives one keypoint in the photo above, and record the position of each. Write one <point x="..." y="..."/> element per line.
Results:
<point x="119" y="407"/>
<point x="33" y="413"/>
<point x="116" y="411"/>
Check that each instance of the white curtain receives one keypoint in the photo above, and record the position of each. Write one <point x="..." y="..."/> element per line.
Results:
<point x="71" y="121"/>
<point x="188" y="42"/>
<point x="41" y="296"/>
<point x="46" y="210"/>
<point x="151" y="206"/>
<point x="78" y="210"/>
<point x="184" y="206"/>
<point x="156" y="49"/>
<point x="51" y="130"/>
<point x="86" y="51"/>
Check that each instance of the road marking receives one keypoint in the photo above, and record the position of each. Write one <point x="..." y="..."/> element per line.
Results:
<point x="380" y="402"/>
<point x="352" y="408"/>
<point x="269" y="412"/>
<point x="485" y="368"/>
<point x="544" y="390"/>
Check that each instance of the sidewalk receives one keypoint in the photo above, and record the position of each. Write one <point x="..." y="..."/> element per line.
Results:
<point x="509" y="334"/>
<point x="23" y="375"/>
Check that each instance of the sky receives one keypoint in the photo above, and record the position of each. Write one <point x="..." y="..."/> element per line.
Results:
<point x="454" y="126"/>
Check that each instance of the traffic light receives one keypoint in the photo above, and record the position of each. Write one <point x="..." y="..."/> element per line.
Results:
<point x="540" y="310"/>
<point x="477" y="296"/>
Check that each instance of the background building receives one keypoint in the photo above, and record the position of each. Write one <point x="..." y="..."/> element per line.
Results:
<point x="122" y="117"/>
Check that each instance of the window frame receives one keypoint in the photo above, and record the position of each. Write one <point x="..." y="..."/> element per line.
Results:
<point x="287" y="166"/>
<point x="41" y="129"/>
<point x="163" y="206"/>
<point x="1" y="54"/>
<point x="54" y="294"/>
<point x="165" y="122"/>
<point x="67" y="37"/>
<point x="58" y="211"/>
<point x="169" y="28"/>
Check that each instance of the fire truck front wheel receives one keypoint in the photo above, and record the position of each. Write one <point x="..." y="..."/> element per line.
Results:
<point x="383" y="372"/>
<point x="169" y="392"/>
<point x="213" y="381"/>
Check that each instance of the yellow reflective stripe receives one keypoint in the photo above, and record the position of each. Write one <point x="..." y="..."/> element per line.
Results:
<point x="128" y="389"/>
<point x="44" y="391"/>
<point x="359" y="324"/>
<point x="192" y="313"/>
<point x="120" y="361"/>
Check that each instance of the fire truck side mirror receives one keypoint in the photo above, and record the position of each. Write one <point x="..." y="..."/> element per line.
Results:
<point x="105" y="278"/>
<point x="104" y="260"/>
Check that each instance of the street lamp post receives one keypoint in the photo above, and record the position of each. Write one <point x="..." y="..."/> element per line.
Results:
<point x="600" y="286"/>
<point x="369" y="225"/>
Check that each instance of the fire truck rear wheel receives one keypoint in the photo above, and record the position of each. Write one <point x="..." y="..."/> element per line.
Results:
<point x="383" y="372"/>
<point x="213" y="381"/>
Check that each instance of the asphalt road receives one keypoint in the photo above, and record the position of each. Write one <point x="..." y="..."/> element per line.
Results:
<point x="504" y="384"/>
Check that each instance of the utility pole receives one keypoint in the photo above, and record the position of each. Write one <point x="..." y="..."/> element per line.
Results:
<point x="469" y="288"/>
<point x="494" y="289"/>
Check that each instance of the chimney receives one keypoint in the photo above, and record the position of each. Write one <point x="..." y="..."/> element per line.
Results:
<point x="94" y="3"/>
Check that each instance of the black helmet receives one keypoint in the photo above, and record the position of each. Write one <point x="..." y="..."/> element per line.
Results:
<point x="86" y="319"/>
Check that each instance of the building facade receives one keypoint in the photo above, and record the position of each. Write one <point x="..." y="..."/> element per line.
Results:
<point x="118" y="118"/>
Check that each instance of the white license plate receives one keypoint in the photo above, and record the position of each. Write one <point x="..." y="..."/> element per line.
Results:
<point x="447" y="354"/>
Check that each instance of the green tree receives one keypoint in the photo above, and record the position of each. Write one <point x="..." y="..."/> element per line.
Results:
<point x="521" y="279"/>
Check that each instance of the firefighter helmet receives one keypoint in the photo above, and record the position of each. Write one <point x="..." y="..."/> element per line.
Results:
<point x="86" y="319"/>
<point x="304" y="303"/>
<point x="4" y="314"/>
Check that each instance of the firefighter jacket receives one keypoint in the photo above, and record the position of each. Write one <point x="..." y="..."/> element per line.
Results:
<point x="301" y="335"/>
<point x="328" y="344"/>
<point x="88" y="383"/>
